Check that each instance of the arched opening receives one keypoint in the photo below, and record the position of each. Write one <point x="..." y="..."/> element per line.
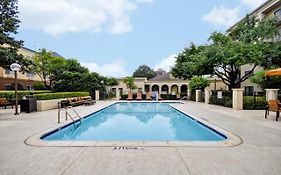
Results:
<point x="174" y="89"/>
<point x="155" y="87"/>
<point x="184" y="89"/>
<point x="165" y="89"/>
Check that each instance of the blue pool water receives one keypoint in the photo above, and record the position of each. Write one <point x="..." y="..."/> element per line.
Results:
<point x="137" y="122"/>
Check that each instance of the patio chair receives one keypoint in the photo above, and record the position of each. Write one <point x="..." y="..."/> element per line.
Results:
<point x="130" y="96"/>
<point x="139" y="96"/>
<point x="148" y="96"/>
<point x="4" y="102"/>
<point x="274" y="106"/>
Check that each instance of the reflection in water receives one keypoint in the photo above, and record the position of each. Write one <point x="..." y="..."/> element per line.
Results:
<point x="137" y="121"/>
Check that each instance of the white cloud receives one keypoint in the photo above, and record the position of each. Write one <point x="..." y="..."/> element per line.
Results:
<point x="60" y="16"/>
<point x="252" y="3"/>
<point x="114" y="69"/>
<point x="222" y="16"/>
<point x="166" y="63"/>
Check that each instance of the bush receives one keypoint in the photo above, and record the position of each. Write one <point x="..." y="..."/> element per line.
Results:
<point x="20" y="86"/>
<point x="249" y="103"/>
<point x="58" y="95"/>
<point x="11" y="94"/>
<point x="38" y="86"/>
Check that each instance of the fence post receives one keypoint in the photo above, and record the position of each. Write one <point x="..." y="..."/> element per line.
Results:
<point x="198" y="95"/>
<point x="271" y="94"/>
<point x="207" y="95"/>
<point x="97" y="93"/>
<point x="189" y="93"/>
<point x="237" y="99"/>
<point x="117" y="95"/>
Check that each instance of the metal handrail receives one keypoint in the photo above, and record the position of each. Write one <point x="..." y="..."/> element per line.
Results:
<point x="185" y="97"/>
<point x="68" y="114"/>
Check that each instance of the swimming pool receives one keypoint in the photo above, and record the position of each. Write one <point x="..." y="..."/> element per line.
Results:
<point x="132" y="121"/>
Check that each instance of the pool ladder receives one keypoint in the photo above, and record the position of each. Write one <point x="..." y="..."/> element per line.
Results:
<point x="68" y="114"/>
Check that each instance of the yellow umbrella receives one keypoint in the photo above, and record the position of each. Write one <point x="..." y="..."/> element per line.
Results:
<point x="273" y="72"/>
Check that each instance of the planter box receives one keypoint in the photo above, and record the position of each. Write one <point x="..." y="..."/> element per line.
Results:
<point x="44" y="105"/>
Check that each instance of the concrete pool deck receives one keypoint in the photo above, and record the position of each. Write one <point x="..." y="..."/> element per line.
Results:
<point x="260" y="152"/>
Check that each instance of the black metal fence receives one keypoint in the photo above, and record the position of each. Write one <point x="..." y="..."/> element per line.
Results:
<point x="104" y="95"/>
<point x="222" y="98"/>
<point x="254" y="101"/>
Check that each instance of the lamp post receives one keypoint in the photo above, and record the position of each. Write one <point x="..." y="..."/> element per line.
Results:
<point x="102" y="92"/>
<point x="16" y="67"/>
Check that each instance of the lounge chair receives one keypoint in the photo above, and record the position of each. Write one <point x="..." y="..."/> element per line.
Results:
<point x="159" y="97"/>
<point x="4" y="102"/>
<point x="148" y="96"/>
<point x="139" y="96"/>
<point x="130" y="96"/>
<point x="274" y="106"/>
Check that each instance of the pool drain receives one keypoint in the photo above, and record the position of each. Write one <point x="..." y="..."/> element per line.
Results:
<point x="126" y="148"/>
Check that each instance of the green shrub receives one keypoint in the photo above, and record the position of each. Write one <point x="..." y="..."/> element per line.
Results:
<point x="228" y="104"/>
<point x="11" y="94"/>
<point x="38" y="86"/>
<point x="249" y="103"/>
<point x="58" y="95"/>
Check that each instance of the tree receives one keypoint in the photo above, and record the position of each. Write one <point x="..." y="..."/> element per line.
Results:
<point x="111" y="82"/>
<point x="144" y="71"/>
<point x="160" y="71"/>
<point x="46" y="66"/>
<point x="9" y="24"/>
<point x="129" y="81"/>
<point x="198" y="82"/>
<point x="248" y="43"/>
<point x="266" y="82"/>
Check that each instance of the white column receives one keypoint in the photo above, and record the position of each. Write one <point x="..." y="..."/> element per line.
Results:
<point x="271" y="94"/>
<point x="198" y="95"/>
<point x="117" y="94"/>
<point x="207" y="95"/>
<point x="97" y="93"/>
<point x="237" y="99"/>
<point x="188" y="93"/>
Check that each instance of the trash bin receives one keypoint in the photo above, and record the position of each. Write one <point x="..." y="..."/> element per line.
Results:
<point x="28" y="105"/>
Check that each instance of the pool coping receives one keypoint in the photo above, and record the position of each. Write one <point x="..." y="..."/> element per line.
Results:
<point x="231" y="140"/>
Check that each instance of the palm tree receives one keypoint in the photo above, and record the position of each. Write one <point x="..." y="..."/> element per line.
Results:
<point x="129" y="81"/>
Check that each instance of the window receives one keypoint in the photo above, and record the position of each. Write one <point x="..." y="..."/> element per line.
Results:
<point x="249" y="90"/>
<point x="7" y="86"/>
<point x="277" y="14"/>
<point x="121" y="91"/>
<point x="28" y="87"/>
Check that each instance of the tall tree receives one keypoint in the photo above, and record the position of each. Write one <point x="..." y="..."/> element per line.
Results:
<point x="45" y="65"/>
<point x="129" y="81"/>
<point x="248" y="43"/>
<point x="160" y="71"/>
<point x="9" y="24"/>
<point x="144" y="71"/>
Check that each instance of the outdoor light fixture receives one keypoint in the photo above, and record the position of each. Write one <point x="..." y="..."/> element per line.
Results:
<point x="16" y="67"/>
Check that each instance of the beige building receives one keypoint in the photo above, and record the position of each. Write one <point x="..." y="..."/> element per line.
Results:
<point x="269" y="9"/>
<point x="164" y="84"/>
<point x="27" y="79"/>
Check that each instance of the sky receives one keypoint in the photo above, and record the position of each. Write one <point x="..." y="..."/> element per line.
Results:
<point x="114" y="37"/>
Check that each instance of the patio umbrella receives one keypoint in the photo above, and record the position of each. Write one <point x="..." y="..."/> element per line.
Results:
<point x="273" y="72"/>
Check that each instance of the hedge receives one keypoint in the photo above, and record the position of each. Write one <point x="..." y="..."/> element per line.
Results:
<point x="11" y="94"/>
<point x="249" y="103"/>
<point x="58" y="95"/>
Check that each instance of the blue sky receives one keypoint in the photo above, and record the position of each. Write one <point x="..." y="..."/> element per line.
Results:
<point x="113" y="37"/>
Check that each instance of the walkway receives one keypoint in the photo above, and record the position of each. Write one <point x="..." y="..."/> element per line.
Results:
<point x="260" y="152"/>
